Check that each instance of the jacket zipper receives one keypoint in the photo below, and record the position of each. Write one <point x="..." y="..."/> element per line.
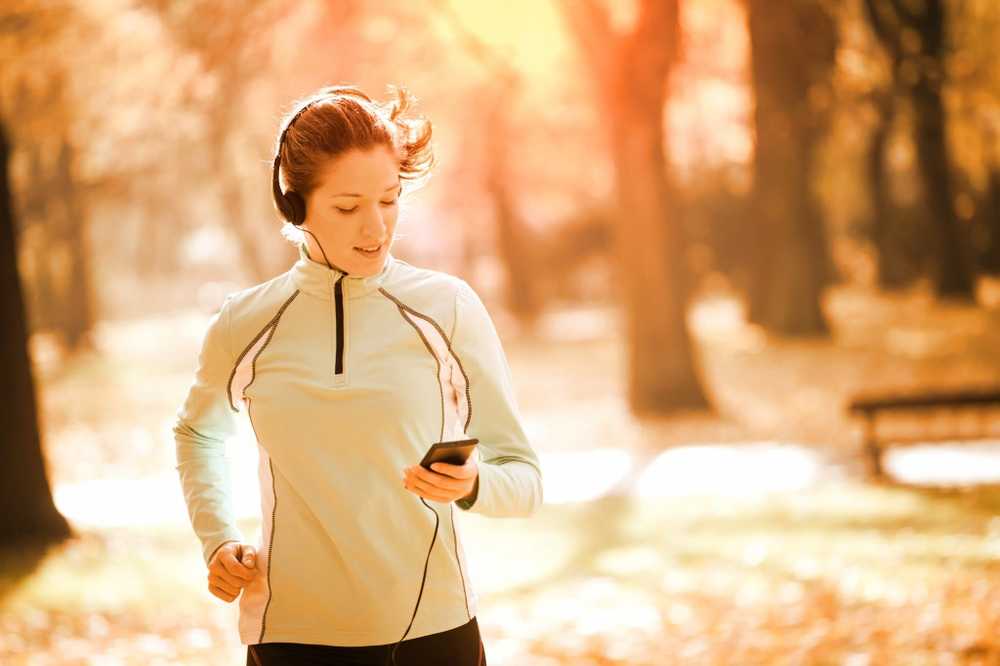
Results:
<point x="338" y="291"/>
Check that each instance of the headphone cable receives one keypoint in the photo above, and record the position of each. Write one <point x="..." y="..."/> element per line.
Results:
<point x="321" y="249"/>
<point x="437" y="519"/>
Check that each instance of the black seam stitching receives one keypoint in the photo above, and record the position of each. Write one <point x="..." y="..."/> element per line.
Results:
<point x="270" y="543"/>
<point x="273" y="321"/>
<point x="447" y="342"/>
<point x="437" y="362"/>
<point x="454" y="536"/>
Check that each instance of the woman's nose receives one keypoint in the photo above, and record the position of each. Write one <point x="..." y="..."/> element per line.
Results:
<point x="374" y="226"/>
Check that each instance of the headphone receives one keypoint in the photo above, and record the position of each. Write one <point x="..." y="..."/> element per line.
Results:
<point x="292" y="207"/>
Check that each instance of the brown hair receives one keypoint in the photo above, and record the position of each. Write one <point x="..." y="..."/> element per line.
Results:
<point x="334" y="120"/>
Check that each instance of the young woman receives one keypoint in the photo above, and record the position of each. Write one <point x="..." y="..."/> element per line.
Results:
<point x="350" y="365"/>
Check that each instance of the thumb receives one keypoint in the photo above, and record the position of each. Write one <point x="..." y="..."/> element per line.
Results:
<point x="249" y="558"/>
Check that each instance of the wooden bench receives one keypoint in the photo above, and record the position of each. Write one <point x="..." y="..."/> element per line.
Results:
<point x="965" y="414"/>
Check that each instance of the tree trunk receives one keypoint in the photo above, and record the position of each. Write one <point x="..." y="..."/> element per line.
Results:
<point x="233" y="203"/>
<point x="952" y="277"/>
<point x="914" y="37"/>
<point x="78" y="295"/>
<point x="791" y="262"/>
<point x="516" y="249"/>
<point x="27" y="512"/>
<point x="632" y="75"/>
<point x="883" y="217"/>
<point x="989" y="216"/>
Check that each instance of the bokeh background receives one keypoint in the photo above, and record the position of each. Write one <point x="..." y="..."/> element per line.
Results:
<point x="704" y="229"/>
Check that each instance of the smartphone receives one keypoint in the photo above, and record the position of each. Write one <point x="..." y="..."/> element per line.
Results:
<point x="454" y="452"/>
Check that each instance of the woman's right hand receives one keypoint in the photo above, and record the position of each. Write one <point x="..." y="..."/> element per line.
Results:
<point x="232" y="567"/>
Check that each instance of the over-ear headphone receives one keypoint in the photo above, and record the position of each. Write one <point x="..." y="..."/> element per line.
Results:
<point x="290" y="204"/>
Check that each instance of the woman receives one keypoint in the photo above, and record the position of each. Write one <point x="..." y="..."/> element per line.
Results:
<point x="350" y="365"/>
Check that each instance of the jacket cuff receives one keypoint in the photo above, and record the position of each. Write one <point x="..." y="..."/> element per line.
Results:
<point x="477" y="491"/>
<point x="466" y="503"/>
<point x="209" y="546"/>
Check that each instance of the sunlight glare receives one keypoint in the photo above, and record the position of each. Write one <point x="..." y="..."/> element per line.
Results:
<point x="945" y="463"/>
<point x="578" y="476"/>
<point x="157" y="499"/>
<point x="743" y="469"/>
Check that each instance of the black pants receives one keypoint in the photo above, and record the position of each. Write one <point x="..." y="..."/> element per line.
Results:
<point x="461" y="646"/>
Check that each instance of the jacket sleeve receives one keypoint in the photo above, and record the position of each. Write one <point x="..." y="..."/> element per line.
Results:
<point x="203" y="424"/>
<point x="510" y="476"/>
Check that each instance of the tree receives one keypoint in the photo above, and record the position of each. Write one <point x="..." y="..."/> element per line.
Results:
<point x="516" y="246"/>
<point x="229" y="38"/>
<point x="27" y="512"/>
<point x="631" y="72"/>
<point x="40" y="105"/>
<point x="791" y="265"/>
<point x="914" y="36"/>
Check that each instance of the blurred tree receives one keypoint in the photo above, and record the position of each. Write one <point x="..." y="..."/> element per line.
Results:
<point x="570" y="246"/>
<point x="77" y="316"/>
<point x="884" y="217"/>
<point x="517" y="247"/>
<point x="231" y="37"/>
<point x="973" y="96"/>
<point x="27" y="512"/>
<point x="792" y="104"/>
<point x="914" y="35"/>
<point x="631" y="74"/>
<point x="988" y="223"/>
<point x="34" y="37"/>
<point x="889" y="228"/>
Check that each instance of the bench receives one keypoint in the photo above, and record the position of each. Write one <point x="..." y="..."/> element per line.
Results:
<point x="963" y="414"/>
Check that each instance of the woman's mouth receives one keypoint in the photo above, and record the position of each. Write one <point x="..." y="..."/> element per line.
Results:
<point x="370" y="251"/>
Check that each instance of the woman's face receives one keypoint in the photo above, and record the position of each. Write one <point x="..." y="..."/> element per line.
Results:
<point x="354" y="207"/>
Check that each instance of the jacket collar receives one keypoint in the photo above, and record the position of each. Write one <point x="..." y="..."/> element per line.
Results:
<point x="316" y="278"/>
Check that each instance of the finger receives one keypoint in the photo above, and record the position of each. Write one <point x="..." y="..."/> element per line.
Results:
<point x="436" y="480"/>
<point x="249" y="558"/>
<point x="421" y="489"/>
<point x="455" y="471"/>
<point x="222" y="594"/>
<point x="224" y="586"/>
<point x="429" y="491"/>
<point x="219" y="575"/>
<point x="233" y="566"/>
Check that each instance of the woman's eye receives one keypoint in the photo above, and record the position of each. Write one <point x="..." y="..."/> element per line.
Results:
<point x="351" y="210"/>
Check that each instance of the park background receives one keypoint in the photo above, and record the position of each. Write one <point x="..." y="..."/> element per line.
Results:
<point x="702" y="227"/>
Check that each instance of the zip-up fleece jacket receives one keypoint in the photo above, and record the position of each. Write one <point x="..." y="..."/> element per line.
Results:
<point x="346" y="380"/>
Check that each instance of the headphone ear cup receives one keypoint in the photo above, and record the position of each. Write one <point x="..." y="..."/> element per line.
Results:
<point x="297" y="207"/>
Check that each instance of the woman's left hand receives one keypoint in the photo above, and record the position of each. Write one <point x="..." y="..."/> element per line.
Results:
<point x="446" y="483"/>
